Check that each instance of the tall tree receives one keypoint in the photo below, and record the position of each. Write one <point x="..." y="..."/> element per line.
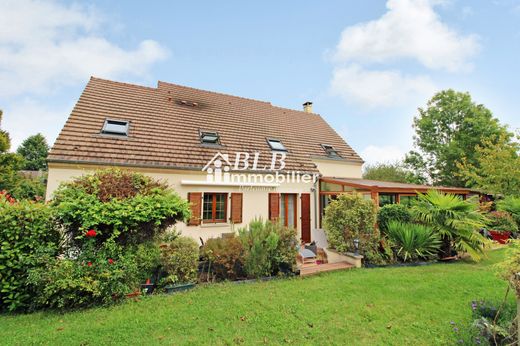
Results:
<point x="395" y="172"/>
<point x="447" y="133"/>
<point x="34" y="150"/>
<point x="10" y="163"/>
<point x="498" y="167"/>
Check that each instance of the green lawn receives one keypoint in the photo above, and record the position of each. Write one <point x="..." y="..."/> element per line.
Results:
<point x="386" y="306"/>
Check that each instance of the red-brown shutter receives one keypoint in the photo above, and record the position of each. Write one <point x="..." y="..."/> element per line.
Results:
<point x="274" y="206"/>
<point x="236" y="208"/>
<point x="195" y="199"/>
<point x="306" y="217"/>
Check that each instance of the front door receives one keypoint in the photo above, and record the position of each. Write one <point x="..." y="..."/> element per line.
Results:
<point x="305" y="212"/>
<point x="288" y="210"/>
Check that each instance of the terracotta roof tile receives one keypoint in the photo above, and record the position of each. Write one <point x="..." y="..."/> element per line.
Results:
<point x="164" y="132"/>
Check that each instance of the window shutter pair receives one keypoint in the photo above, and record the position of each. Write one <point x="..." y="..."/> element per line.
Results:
<point x="195" y="200"/>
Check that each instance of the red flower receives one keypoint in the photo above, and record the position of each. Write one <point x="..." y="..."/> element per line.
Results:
<point x="89" y="264"/>
<point x="110" y="261"/>
<point x="91" y="233"/>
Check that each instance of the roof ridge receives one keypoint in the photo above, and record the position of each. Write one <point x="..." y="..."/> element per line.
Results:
<point x="122" y="83"/>
<point x="212" y="92"/>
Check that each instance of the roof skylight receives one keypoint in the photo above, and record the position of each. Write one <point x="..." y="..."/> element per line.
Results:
<point x="115" y="127"/>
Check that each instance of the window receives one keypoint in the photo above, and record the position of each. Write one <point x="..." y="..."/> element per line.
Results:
<point x="214" y="207"/>
<point x="288" y="210"/>
<point x="276" y="144"/>
<point x="407" y="200"/>
<point x="115" y="127"/>
<point x="387" y="198"/>
<point x="330" y="151"/>
<point x="209" y="137"/>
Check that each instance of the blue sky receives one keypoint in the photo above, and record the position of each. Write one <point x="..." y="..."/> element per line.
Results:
<point x="366" y="65"/>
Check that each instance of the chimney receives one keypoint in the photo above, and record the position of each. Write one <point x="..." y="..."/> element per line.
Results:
<point x="307" y="107"/>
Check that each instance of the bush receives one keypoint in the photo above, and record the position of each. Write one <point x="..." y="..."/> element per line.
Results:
<point x="392" y="212"/>
<point x="501" y="221"/>
<point x="148" y="260"/>
<point x="98" y="276"/>
<point x="180" y="260"/>
<point x="512" y="206"/>
<point x="27" y="234"/>
<point x="224" y="258"/>
<point x="270" y="248"/>
<point x="350" y="217"/>
<point x="413" y="241"/>
<point x="125" y="206"/>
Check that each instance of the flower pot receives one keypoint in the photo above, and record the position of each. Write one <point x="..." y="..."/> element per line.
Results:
<point x="147" y="288"/>
<point x="500" y="236"/>
<point x="134" y="294"/>
<point x="178" y="288"/>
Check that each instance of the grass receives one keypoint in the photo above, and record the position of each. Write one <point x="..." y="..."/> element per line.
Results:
<point x="384" y="306"/>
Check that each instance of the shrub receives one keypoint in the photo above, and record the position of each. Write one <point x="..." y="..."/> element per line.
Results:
<point x="180" y="259"/>
<point x="270" y="248"/>
<point x="501" y="221"/>
<point x="224" y="258"/>
<point x="148" y="260"/>
<point x="348" y="217"/>
<point x="98" y="276"/>
<point x="392" y="212"/>
<point x="126" y="206"/>
<point x="512" y="206"/>
<point x="27" y="233"/>
<point x="456" y="221"/>
<point x="413" y="241"/>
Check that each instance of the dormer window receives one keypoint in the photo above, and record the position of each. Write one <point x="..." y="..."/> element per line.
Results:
<point x="207" y="137"/>
<point x="330" y="151"/>
<point x="276" y="144"/>
<point x="115" y="127"/>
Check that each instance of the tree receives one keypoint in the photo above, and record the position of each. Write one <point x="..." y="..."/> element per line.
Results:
<point x="497" y="167"/>
<point x="395" y="172"/>
<point x="456" y="221"/>
<point x="10" y="163"/>
<point x="34" y="150"/>
<point x="448" y="131"/>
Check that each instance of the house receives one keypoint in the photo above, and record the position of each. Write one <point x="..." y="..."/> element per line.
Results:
<point x="233" y="158"/>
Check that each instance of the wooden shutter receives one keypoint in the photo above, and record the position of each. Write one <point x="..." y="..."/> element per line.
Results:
<point x="306" y="217"/>
<point x="195" y="199"/>
<point x="236" y="208"/>
<point x="274" y="206"/>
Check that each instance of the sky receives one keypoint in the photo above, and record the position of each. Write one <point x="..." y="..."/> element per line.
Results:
<point x="366" y="65"/>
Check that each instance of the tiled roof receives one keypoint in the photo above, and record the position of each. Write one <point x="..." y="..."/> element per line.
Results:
<point x="164" y="132"/>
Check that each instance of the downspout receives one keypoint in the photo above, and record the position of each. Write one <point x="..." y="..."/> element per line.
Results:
<point x="315" y="191"/>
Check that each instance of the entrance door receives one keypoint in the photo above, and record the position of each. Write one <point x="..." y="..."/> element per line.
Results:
<point x="305" y="211"/>
<point x="288" y="210"/>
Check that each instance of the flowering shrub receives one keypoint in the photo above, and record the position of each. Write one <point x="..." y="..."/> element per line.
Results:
<point x="27" y="233"/>
<point x="125" y="206"/>
<point x="98" y="276"/>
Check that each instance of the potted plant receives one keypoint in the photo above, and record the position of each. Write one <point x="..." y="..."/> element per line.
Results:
<point x="501" y="225"/>
<point x="148" y="287"/>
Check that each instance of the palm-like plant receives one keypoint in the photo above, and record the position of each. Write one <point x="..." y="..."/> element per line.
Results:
<point x="456" y="221"/>
<point x="413" y="241"/>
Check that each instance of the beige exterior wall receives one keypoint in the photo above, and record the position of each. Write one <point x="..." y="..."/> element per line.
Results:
<point x="254" y="204"/>
<point x="338" y="168"/>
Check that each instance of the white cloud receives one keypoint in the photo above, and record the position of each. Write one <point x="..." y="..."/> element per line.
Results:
<point x="47" y="45"/>
<point x="29" y="117"/>
<point x="384" y="88"/>
<point x="409" y="29"/>
<point x="374" y="154"/>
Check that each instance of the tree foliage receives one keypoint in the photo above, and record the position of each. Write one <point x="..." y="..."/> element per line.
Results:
<point x="448" y="131"/>
<point x="395" y="172"/>
<point x="34" y="150"/>
<point x="496" y="168"/>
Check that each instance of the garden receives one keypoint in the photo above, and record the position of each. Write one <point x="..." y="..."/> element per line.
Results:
<point x="109" y="237"/>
